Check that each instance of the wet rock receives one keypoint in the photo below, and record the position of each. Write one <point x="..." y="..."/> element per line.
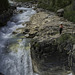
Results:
<point x="19" y="4"/>
<point x="14" y="32"/>
<point x="30" y="35"/>
<point x="21" y="11"/>
<point x="26" y="31"/>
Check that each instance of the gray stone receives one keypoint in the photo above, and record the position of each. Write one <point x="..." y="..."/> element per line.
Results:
<point x="60" y="12"/>
<point x="51" y="53"/>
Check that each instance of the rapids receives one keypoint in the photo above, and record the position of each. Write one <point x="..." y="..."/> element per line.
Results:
<point x="14" y="52"/>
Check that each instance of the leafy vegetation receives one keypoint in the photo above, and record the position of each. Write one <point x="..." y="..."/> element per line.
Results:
<point x="69" y="13"/>
<point x="23" y="0"/>
<point x="53" y="4"/>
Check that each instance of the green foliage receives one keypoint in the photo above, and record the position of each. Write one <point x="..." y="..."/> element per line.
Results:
<point x="53" y="4"/>
<point x="23" y="0"/>
<point x="69" y="13"/>
<point x="45" y="6"/>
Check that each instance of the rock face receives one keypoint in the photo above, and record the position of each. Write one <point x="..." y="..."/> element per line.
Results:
<point x="60" y="12"/>
<point x="51" y="54"/>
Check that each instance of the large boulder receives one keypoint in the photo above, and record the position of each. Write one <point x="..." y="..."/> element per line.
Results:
<point x="51" y="55"/>
<point x="60" y="12"/>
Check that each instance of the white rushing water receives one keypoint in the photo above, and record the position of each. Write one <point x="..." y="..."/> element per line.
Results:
<point x="19" y="62"/>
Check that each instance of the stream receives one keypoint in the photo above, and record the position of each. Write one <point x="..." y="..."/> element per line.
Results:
<point x="15" y="56"/>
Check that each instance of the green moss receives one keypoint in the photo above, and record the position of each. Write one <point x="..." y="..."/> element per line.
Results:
<point x="69" y="13"/>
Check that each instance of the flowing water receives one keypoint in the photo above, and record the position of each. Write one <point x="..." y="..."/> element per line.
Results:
<point x="14" y="52"/>
<point x="15" y="56"/>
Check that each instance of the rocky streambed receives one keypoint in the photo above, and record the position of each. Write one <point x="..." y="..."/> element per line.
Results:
<point x="52" y="53"/>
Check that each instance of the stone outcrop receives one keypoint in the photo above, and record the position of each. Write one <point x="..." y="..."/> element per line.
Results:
<point x="51" y="54"/>
<point x="60" y="12"/>
<point x="46" y="24"/>
<point x="50" y="51"/>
